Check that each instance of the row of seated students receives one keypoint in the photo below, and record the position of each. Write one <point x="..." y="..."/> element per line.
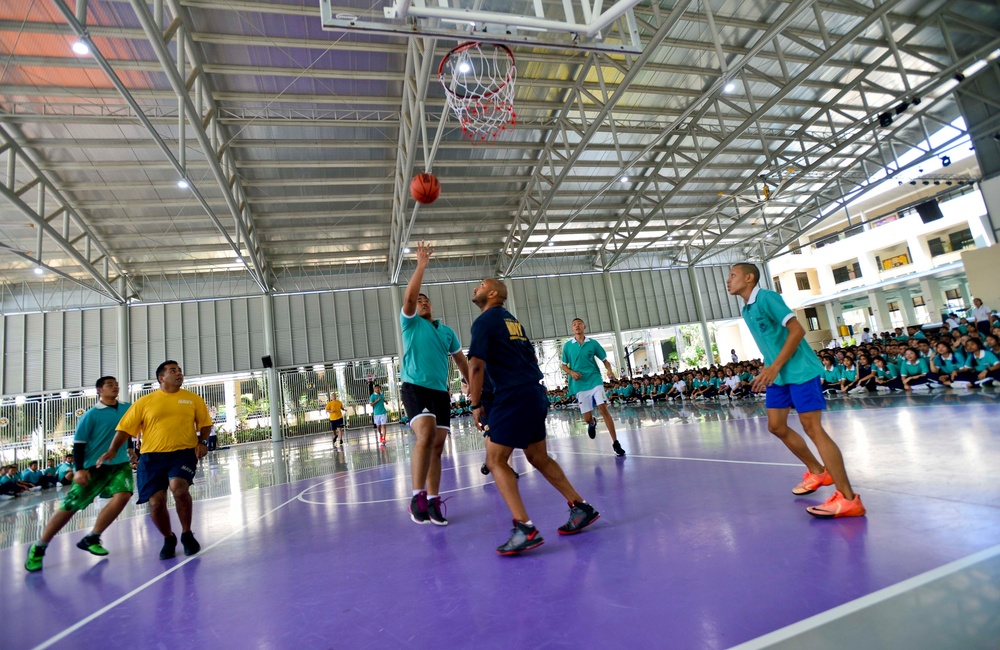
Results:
<point x="919" y="360"/>
<point x="962" y="358"/>
<point x="731" y="382"/>
<point x="32" y="479"/>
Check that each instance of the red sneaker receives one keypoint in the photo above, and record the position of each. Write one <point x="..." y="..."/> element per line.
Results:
<point x="838" y="506"/>
<point x="812" y="482"/>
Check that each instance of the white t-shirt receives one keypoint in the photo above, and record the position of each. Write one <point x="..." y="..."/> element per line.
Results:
<point x="733" y="381"/>
<point x="981" y="313"/>
<point x="679" y="385"/>
<point x="952" y="323"/>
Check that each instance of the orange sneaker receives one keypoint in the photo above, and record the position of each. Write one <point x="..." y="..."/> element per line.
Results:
<point x="812" y="482"/>
<point x="838" y="506"/>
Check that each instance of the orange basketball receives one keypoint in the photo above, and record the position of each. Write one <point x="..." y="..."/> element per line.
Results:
<point x="425" y="188"/>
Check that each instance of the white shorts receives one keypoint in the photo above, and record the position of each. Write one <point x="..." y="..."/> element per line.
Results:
<point x="381" y="420"/>
<point x="590" y="399"/>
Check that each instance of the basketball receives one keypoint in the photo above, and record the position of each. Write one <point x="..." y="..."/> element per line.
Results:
<point x="425" y="188"/>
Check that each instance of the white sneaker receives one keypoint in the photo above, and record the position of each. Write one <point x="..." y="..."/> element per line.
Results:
<point x="984" y="382"/>
<point x="858" y="389"/>
<point x="37" y="488"/>
<point x="961" y="384"/>
<point x="883" y="389"/>
<point x="920" y="387"/>
<point x="5" y="497"/>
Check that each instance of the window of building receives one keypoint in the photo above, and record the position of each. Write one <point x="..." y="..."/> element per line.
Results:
<point x="777" y="284"/>
<point x="802" y="280"/>
<point x="893" y="306"/>
<point x="812" y="319"/>
<point x="956" y="241"/>
<point x="846" y="273"/>
<point x="953" y="299"/>
<point x="918" y="301"/>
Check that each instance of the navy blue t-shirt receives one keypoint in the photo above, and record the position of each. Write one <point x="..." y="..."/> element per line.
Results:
<point x="499" y="340"/>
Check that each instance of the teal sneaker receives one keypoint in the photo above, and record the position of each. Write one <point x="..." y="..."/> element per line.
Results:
<point x="92" y="544"/>
<point x="35" y="555"/>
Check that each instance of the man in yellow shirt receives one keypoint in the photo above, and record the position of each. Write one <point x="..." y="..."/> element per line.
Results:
<point x="335" y="409"/>
<point x="174" y="424"/>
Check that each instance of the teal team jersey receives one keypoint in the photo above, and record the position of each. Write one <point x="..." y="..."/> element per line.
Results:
<point x="848" y="374"/>
<point x="377" y="400"/>
<point x="984" y="362"/>
<point x="889" y="372"/>
<point x="831" y="375"/>
<point x="426" y="348"/>
<point x="62" y="469"/>
<point x="715" y="382"/>
<point x="767" y="315"/>
<point x="96" y="429"/>
<point x="921" y="367"/>
<point x="949" y="365"/>
<point x="582" y="358"/>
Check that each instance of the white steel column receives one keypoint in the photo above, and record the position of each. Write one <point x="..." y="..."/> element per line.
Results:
<point x="615" y="322"/>
<point x="699" y="307"/>
<point x="124" y="342"/>
<point x="930" y="288"/>
<point x="906" y="305"/>
<point x="397" y="308"/>
<point x="831" y="317"/>
<point x="880" y="309"/>
<point x="273" y="386"/>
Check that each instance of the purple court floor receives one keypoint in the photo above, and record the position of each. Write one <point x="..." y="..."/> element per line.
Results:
<point x="700" y="543"/>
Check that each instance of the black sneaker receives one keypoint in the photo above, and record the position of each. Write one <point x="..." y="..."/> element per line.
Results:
<point x="581" y="515"/>
<point x="418" y="509"/>
<point x="484" y="470"/>
<point x="169" y="549"/>
<point x="617" y="446"/>
<point x="335" y="436"/>
<point x="522" y="538"/>
<point x="434" y="513"/>
<point x="92" y="544"/>
<point x="592" y="429"/>
<point x="191" y="545"/>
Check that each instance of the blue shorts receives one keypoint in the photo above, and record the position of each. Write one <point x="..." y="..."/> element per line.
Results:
<point x="804" y="397"/>
<point x="157" y="468"/>
<point x="517" y="416"/>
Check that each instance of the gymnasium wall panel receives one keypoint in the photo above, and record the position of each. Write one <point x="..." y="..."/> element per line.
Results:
<point x="546" y="306"/>
<point x="57" y="350"/>
<point x="207" y="337"/>
<point x="320" y="328"/>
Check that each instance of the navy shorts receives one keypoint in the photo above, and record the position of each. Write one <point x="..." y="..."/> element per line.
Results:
<point x="336" y="424"/>
<point x="805" y="397"/>
<point x="517" y="416"/>
<point x="420" y="401"/>
<point x="157" y="468"/>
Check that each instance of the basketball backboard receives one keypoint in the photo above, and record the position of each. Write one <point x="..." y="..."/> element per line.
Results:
<point x="566" y="24"/>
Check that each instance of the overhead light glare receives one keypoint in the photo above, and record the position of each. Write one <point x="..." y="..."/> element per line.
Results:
<point x="464" y="67"/>
<point x="39" y="270"/>
<point x="730" y="87"/>
<point x="624" y="179"/>
<point x="81" y="48"/>
<point x="183" y="184"/>
<point x="406" y="250"/>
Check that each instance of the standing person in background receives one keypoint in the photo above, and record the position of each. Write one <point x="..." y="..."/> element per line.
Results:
<point x="111" y="480"/>
<point x="579" y="362"/>
<point x="981" y="316"/>
<point x="335" y="409"/>
<point x="427" y="345"/>
<point x="792" y="378"/>
<point x="735" y="357"/>
<point x="175" y="426"/>
<point x="379" y="414"/>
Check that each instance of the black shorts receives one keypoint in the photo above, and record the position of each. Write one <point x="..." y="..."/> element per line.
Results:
<point x="336" y="424"/>
<point x="420" y="401"/>
<point x="157" y="468"/>
<point x="517" y="416"/>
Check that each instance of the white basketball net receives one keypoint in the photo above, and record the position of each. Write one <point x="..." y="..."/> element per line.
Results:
<point x="479" y="86"/>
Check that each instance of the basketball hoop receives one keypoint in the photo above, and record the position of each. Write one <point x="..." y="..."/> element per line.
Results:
<point x="479" y="86"/>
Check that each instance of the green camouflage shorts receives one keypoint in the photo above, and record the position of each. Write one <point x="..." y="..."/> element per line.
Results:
<point x="105" y="481"/>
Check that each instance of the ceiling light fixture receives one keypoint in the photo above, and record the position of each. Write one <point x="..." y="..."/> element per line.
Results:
<point x="730" y="87"/>
<point x="406" y="250"/>
<point x="624" y="179"/>
<point x="39" y="270"/>
<point x="81" y="48"/>
<point x="183" y="184"/>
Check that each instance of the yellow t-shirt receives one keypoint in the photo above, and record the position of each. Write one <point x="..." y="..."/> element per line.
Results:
<point x="335" y="408"/>
<point x="167" y="421"/>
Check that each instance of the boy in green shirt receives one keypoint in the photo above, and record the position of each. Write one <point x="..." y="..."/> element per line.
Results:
<point x="791" y="377"/>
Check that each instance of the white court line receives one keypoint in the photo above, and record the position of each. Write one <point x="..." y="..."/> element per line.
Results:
<point x="301" y="495"/>
<point x="700" y="460"/>
<point x="76" y="626"/>
<point x="813" y="622"/>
